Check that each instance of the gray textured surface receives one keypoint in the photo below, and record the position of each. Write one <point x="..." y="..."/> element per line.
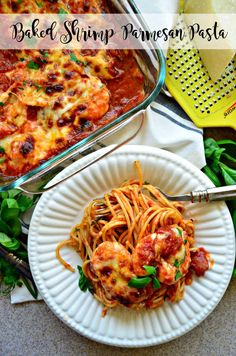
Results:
<point x="31" y="329"/>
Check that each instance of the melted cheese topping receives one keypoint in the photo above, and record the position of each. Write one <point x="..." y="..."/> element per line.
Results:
<point x="47" y="94"/>
<point x="49" y="100"/>
<point x="112" y="264"/>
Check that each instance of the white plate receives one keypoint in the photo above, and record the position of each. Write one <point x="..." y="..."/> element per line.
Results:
<point x="59" y="209"/>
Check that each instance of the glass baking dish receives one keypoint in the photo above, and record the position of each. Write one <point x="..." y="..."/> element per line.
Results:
<point x="152" y="64"/>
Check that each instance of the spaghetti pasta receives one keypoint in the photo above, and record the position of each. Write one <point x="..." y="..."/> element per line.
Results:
<point x="137" y="248"/>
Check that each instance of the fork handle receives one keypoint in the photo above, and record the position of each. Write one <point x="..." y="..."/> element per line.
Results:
<point x="211" y="194"/>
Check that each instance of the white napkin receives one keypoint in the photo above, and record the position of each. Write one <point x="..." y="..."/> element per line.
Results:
<point x="166" y="126"/>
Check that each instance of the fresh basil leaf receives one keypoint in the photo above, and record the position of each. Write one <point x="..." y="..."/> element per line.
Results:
<point x="12" y="193"/>
<point x="10" y="280"/>
<point x="4" y="195"/>
<point x="2" y="150"/>
<point x="15" y="225"/>
<point x="229" y="145"/>
<point x="4" y="238"/>
<point x="24" y="203"/>
<point x="156" y="283"/>
<point x="228" y="159"/>
<point x="1" y="103"/>
<point x="12" y="244"/>
<point x="4" y="227"/>
<point x="139" y="282"/>
<point x="31" y="287"/>
<point x="213" y="177"/>
<point x="10" y="203"/>
<point x="178" y="275"/>
<point x="210" y="146"/>
<point x="9" y="209"/>
<point x="23" y="255"/>
<point x="213" y="153"/>
<point x="216" y="160"/>
<point x="229" y="174"/>
<point x="84" y="283"/>
<point x="150" y="270"/>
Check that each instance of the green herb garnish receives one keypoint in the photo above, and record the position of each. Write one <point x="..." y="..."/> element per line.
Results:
<point x="12" y="204"/>
<point x="228" y="174"/>
<point x="178" y="275"/>
<point x="139" y="282"/>
<point x="76" y="60"/>
<point x="142" y="282"/>
<point x="24" y="203"/>
<point x="150" y="270"/>
<point x="33" y="65"/>
<point x="62" y="11"/>
<point x="13" y="244"/>
<point x="39" y="4"/>
<point x="9" y="209"/>
<point x="221" y="167"/>
<point x="1" y="103"/>
<point x="9" y="277"/>
<point x="176" y="264"/>
<point x="84" y="283"/>
<point x="179" y="231"/>
<point x="37" y="86"/>
<point x="156" y="283"/>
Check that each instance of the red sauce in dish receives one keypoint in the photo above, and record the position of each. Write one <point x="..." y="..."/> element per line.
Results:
<point x="199" y="262"/>
<point x="171" y="243"/>
<point x="37" y="81"/>
<point x="125" y="92"/>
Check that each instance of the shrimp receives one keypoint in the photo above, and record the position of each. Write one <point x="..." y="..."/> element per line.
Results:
<point x="164" y="250"/>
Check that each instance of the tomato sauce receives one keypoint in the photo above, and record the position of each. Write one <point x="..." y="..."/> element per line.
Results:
<point x="171" y="243"/>
<point x="126" y="89"/>
<point x="199" y="262"/>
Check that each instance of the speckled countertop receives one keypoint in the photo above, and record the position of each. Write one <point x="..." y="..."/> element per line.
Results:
<point x="32" y="329"/>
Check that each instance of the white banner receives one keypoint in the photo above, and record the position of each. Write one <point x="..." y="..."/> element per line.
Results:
<point x="116" y="31"/>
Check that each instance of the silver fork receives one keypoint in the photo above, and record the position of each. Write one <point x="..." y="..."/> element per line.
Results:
<point x="205" y="195"/>
<point x="196" y="196"/>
